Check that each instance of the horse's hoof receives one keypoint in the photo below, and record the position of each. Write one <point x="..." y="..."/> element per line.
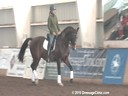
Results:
<point x="33" y="82"/>
<point x="71" y="80"/>
<point x="61" y="84"/>
<point x="36" y="81"/>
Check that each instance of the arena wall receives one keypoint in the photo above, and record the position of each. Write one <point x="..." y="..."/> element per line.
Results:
<point x="89" y="65"/>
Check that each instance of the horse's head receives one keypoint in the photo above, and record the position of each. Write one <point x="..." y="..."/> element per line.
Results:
<point x="73" y="37"/>
<point x="70" y="35"/>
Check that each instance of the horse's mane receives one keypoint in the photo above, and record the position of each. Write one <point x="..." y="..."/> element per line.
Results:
<point x="67" y="30"/>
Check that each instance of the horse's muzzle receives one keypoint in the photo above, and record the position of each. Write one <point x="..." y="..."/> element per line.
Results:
<point x="74" y="47"/>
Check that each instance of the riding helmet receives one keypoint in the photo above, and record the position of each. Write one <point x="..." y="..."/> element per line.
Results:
<point x="52" y="7"/>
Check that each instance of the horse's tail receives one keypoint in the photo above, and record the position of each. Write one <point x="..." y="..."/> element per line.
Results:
<point x="23" y="48"/>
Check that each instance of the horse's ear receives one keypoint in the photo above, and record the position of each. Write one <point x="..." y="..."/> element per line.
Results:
<point x="77" y="29"/>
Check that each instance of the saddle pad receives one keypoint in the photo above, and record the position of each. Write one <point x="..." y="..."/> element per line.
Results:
<point x="45" y="44"/>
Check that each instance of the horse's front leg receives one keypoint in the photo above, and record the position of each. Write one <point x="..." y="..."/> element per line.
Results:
<point x="66" y="61"/>
<point x="59" y="81"/>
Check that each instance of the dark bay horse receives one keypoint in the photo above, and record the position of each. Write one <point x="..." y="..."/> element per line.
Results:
<point x="60" y="54"/>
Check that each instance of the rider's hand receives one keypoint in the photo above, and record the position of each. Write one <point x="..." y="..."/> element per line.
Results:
<point x="54" y="33"/>
<point x="59" y="32"/>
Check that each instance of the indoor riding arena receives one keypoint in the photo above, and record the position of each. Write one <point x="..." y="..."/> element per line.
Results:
<point x="96" y="63"/>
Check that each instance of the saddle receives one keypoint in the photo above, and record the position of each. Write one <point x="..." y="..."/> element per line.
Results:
<point x="47" y="43"/>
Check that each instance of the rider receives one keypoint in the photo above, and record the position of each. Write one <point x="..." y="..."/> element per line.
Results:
<point x="53" y="28"/>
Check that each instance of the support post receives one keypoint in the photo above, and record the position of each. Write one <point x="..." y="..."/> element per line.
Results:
<point x="22" y="20"/>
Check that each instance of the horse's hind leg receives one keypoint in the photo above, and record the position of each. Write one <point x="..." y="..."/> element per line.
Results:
<point x="66" y="61"/>
<point x="59" y="72"/>
<point x="34" y="73"/>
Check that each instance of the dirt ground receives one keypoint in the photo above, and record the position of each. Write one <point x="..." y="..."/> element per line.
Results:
<point x="12" y="86"/>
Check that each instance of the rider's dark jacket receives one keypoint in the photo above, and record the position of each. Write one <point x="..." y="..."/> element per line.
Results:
<point x="53" y="23"/>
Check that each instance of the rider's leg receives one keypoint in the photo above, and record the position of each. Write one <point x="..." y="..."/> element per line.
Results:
<point x="53" y="42"/>
<point x="50" y="37"/>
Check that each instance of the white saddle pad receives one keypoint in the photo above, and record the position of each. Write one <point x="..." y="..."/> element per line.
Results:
<point x="45" y="44"/>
